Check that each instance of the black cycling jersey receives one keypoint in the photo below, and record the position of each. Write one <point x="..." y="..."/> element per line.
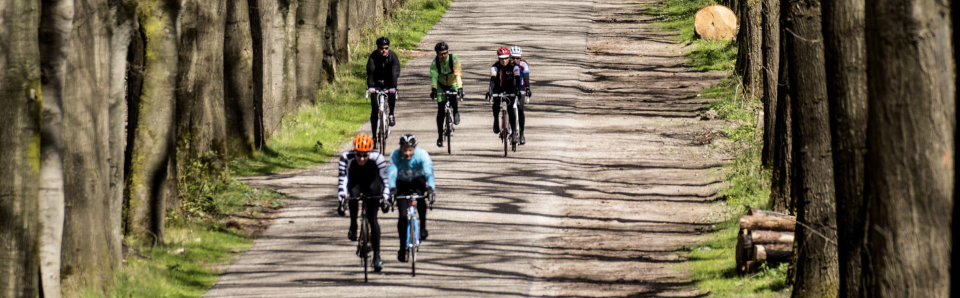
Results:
<point x="383" y="68"/>
<point x="504" y="78"/>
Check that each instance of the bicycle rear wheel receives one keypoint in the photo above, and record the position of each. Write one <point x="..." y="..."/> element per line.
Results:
<point x="504" y="131"/>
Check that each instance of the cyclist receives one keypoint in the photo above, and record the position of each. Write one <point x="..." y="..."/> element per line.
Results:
<point x="517" y="54"/>
<point x="363" y="173"/>
<point x="383" y="70"/>
<point x="445" y="74"/>
<point x="504" y="77"/>
<point x="411" y="172"/>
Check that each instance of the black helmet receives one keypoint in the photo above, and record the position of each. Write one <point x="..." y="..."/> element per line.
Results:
<point x="408" y="140"/>
<point x="383" y="41"/>
<point x="441" y="46"/>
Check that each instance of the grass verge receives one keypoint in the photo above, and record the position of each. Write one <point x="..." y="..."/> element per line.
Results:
<point x="315" y="134"/>
<point x="219" y="220"/>
<point x="712" y="262"/>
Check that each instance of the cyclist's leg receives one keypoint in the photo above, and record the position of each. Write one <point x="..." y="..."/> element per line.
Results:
<point x="441" y="109"/>
<point x="355" y="192"/>
<point x="496" y="114"/>
<point x="392" y="101"/>
<point x="373" y="206"/>
<point x="513" y="113"/>
<point x="374" y="109"/>
<point x="522" y="119"/>
<point x="403" y="188"/>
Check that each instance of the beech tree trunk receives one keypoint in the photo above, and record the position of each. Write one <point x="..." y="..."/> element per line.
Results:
<point x="843" y="23"/>
<point x="311" y="24"/>
<point x="20" y="161"/>
<point x="238" y="81"/>
<point x="781" y="190"/>
<point x="87" y="259"/>
<point x="201" y="130"/>
<point x="153" y="125"/>
<point x="288" y="9"/>
<point x="56" y="27"/>
<point x="817" y="274"/>
<point x="122" y="18"/>
<point x="910" y="154"/>
<point x="771" y="66"/>
<point x="752" y="45"/>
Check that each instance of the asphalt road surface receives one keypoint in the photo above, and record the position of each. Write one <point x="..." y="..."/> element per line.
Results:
<point x="617" y="173"/>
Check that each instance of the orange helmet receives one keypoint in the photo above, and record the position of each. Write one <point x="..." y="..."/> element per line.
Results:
<point x="363" y="143"/>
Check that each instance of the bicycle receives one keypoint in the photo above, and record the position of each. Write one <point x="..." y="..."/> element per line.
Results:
<point x="383" y="126"/>
<point x="413" y="228"/>
<point x="505" y="129"/>
<point x="448" y="117"/>
<point x="363" y="238"/>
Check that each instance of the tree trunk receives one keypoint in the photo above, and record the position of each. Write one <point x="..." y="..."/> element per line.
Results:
<point x="817" y="273"/>
<point x="268" y="46"/>
<point x="201" y="131"/>
<point x="847" y="92"/>
<point x="780" y="191"/>
<point x="87" y="235"/>
<point x="56" y="26"/>
<point x="769" y="223"/>
<point x="771" y="65"/>
<point x="154" y="124"/>
<point x="910" y="155"/>
<point x="20" y="162"/>
<point x="238" y="79"/>
<point x="122" y="17"/>
<point x="753" y="45"/>
<point x="288" y="10"/>
<point x="259" y="70"/>
<point x="311" y="24"/>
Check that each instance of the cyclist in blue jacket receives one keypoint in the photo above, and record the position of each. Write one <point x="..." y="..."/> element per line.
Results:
<point x="410" y="172"/>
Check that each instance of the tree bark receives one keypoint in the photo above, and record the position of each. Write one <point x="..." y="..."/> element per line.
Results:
<point x="769" y="223"/>
<point x="843" y="23"/>
<point x="771" y="66"/>
<point x="20" y="162"/>
<point x="268" y="46"/>
<point x="910" y="155"/>
<point x="238" y="82"/>
<point x="154" y="126"/>
<point x="288" y="10"/>
<point x="56" y="26"/>
<point x="259" y="70"/>
<point x="87" y="259"/>
<point x="753" y="47"/>
<point x="122" y="18"/>
<point x="781" y="190"/>
<point x="201" y="132"/>
<point x="311" y="24"/>
<point x="817" y="272"/>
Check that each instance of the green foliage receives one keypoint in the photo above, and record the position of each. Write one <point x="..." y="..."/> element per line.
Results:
<point x="316" y="133"/>
<point x="713" y="269"/>
<point x="677" y="16"/>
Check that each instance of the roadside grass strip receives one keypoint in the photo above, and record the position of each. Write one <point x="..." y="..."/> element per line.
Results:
<point x="747" y="184"/>
<point x="206" y="237"/>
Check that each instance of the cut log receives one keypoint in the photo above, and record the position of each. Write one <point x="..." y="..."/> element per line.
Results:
<point x="744" y="249"/>
<point x="770" y="223"/>
<point x="715" y="22"/>
<point x="771" y="237"/>
<point x="772" y="253"/>
<point x="760" y="212"/>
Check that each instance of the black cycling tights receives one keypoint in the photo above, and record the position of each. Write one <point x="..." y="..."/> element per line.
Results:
<point x="510" y="113"/>
<point x="441" y="106"/>
<point x="417" y="186"/>
<point x="373" y="206"/>
<point x="375" y="108"/>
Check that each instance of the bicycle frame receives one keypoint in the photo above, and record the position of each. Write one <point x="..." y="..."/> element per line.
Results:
<point x="413" y="230"/>
<point x="448" y="117"/>
<point x="383" y="129"/>
<point x="506" y="130"/>
<point x="363" y="239"/>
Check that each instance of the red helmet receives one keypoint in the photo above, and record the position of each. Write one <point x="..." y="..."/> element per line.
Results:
<point x="503" y="52"/>
<point x="363" y="143"/>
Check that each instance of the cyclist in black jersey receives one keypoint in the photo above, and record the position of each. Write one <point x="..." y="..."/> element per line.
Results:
<point x="504" y="77"/>
<point x="363" y="173"/>
<point x="383" y="70"/>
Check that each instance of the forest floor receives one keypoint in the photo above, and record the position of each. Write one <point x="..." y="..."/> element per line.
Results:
<point x="619" y="173"/>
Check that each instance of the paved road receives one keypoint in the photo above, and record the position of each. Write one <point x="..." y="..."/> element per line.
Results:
<point x="612" y="181"/>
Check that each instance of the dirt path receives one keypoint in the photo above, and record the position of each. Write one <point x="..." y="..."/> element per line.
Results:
<point x="611" y="182"/>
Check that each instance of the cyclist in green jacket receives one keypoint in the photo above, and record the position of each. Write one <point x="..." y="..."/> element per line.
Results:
<point x="445" y="75"/>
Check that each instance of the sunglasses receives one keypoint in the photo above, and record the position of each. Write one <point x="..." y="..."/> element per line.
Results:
<point x="363" y="155"/>
<point x="442" y="53"/>
<point x="501" y="59"/>
<point x="384" y="48"/>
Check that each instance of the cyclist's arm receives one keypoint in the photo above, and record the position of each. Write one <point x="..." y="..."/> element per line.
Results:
<point x="392" y="171"/>
<point x="383" y="166"/>
<point x="342" y="184"/>
<point x="516" y="77"/>
<point x="396" y="69"/>
<point x="427" y="164"/>
<point x="434" y="74"/>
<point x="493" y="79"/>
<point x="371" y="71"/>
<point x="526" y="74"/>
<point x="457" y="71"/>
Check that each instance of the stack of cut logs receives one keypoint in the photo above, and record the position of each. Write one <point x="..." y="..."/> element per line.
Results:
<point x="765" y="236"/>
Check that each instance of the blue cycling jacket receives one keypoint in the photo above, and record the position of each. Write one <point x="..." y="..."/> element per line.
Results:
<point x="418" y="166"/>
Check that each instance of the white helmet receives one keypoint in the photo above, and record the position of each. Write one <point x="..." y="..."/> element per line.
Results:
<point x="515" y="51"/>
